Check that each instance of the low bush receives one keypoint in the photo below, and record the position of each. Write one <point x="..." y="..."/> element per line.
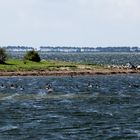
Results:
<point x="32" y="56"/>
<point x="3" y="56"/>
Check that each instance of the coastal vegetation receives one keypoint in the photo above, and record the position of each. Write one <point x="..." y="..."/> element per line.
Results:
<point x="3" y="56"/>
<point x="15" y="65"/>
<point x="32" y="62"/>
<point x="32" y="56"/>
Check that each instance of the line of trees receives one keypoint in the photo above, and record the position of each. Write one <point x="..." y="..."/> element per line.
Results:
<point x="30" y="55"/>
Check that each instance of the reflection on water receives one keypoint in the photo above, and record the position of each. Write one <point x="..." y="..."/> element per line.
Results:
<point x="82" y="107"/>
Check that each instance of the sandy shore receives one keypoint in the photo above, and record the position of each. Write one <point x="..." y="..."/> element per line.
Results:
<point x="69" y="73"/>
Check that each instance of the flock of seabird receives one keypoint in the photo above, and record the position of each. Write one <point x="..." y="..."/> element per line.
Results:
<point x="48" y="87"/>
<point x="11" y="86"/>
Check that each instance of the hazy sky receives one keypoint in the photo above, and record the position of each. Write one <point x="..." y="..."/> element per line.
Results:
<point x="70" y="22"/>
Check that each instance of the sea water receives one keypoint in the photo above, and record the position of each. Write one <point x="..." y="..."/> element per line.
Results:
<point x="117" y="58"/>
<point x="111" y="58"/>
<point x="101" y="107"/>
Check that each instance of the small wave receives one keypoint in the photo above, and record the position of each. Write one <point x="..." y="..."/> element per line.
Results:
<point x="137" y="132"/>
<point x="10" y="97"/>
<point x="96" y="94"/>
<point x="41" y="94"/>
<point x="8" y="128"/>
<point x="66" y="101"/>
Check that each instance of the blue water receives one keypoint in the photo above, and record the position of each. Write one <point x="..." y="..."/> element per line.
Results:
<point x="95" y="58"/>
<point x="117" y="58"/>
<point x="102" y="107"/>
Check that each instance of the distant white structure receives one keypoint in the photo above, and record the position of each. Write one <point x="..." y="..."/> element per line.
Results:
<point x="18" y="48"/>
<point x="59" y="49"/>
<point x="89" y="49"/>
<point x="66" y="49"/>
<point x="72" y="49"/>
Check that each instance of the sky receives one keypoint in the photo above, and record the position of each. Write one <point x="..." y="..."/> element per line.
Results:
<point x="83" y="23"/>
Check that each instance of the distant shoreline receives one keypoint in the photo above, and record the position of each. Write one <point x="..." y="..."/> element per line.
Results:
<point x="69" y="73"/>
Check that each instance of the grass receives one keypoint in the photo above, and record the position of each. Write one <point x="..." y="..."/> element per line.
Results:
<point x="15" y="65"/>
<point x="18" y="65"/>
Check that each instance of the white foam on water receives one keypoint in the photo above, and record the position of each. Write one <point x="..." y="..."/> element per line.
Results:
<point x="137" y="132"/>
<point x="11" y="97"/>
<point x="41" y="94"/>
<point x="96" y="94"/>
<point x="8" y="127"/>
<point x="65" y="101"/>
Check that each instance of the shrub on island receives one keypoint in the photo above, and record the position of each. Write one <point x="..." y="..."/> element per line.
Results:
<point x="32" y="56"/>
<point x="3" y="56"/>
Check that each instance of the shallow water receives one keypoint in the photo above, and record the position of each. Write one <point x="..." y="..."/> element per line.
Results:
<point x="81" y="107"/>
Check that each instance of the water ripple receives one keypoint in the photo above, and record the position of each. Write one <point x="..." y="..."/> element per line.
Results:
<point x="110" y="109"/>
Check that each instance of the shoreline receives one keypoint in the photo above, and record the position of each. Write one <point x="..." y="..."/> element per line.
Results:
<point x="69" y="73"/>
<point x="15" y="67"/>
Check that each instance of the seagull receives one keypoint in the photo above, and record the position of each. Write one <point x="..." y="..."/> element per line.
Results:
<point x="89" y="85"/>
<point x="21" y="88"/>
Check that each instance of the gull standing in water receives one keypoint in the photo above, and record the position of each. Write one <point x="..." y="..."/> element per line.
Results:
<point x="21" y="88"/>
<point x="89" y="85"/>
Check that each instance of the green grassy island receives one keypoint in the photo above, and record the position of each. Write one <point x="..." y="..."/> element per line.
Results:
<point x="15" y="67"/>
